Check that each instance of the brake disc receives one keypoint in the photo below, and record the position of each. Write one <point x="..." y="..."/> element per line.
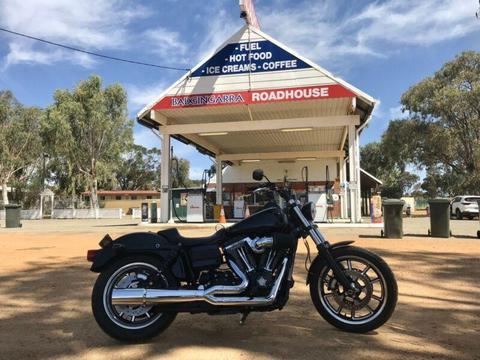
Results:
<point x="357" y="300"/>
<point x="132" y="281"/>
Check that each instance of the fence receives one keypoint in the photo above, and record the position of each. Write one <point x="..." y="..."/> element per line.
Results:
<point x="24" y="214"/>
<point x="86" y="214"/>
<point x="34" y="214"/>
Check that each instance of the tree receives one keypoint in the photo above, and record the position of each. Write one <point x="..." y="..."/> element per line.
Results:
<point x="89" y="128"/>
<point x="378" y="159"/>
<point x="180" y="173"/>
<point x="445" y="125"/>
<point x="20" y="147"/>
<point x="139" y="169"/>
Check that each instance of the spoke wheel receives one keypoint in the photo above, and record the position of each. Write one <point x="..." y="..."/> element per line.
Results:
<point x="132" y="276"/>
<point x="132" y="323"/>
<point x="353" y="306"/>
<point x="360" y="310"/>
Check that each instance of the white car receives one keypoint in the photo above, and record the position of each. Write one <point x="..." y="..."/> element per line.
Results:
<point x="465" y="206"/>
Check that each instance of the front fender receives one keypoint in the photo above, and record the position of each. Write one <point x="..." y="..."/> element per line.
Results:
<point x="317" y="263"/>
<point x="148" y="243"/>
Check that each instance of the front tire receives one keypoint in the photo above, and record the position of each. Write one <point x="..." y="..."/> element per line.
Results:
<point x="361" y="312"/>
<point x="131" y="323"/>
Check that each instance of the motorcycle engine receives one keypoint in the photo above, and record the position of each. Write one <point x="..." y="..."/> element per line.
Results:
<point x="257" y="259"/>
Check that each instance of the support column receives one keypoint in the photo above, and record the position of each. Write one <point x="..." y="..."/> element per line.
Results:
<point x="219" y="182"/>
<point x="165" y="180"/>
<point x="357" y="169"/>
<point x="353" y="185"/>
<point x="343" y="198"/>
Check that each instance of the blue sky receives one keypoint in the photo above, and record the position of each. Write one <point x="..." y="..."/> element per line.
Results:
<point x="382" y="47"/>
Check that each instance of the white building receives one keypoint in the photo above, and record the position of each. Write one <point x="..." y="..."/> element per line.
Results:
<point x="255" y="103"/>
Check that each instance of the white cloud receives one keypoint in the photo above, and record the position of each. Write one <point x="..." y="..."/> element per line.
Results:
<point x="331" y="33"/>
<point x="220" y="27"/>
<point x="396" y="113"/>
<point x="90" y="24"/>
<point x="166" y="44"/>
<point x="139" y="96"/>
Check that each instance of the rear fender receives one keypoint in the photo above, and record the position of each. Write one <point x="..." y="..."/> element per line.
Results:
<point x="317" y="263"/>
<point x="146" y="243"/>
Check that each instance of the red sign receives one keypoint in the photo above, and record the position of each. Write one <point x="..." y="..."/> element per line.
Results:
<point x="248" y="9"/>
<point x="254" y="97"/>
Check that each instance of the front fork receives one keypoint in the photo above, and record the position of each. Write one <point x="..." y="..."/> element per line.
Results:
<point x="324" y="250"/>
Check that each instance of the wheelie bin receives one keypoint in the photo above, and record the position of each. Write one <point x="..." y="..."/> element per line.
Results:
<point x="393" y="218"/>
<point x="12" y="216"/>
<point x="439" y="218"/>
<point x="153" y="212"/>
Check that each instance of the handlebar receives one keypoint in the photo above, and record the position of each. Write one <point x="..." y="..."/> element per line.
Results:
<point x="283" y="192"/>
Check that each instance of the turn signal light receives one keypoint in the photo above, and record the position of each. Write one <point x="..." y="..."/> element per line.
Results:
<point x="91" y="254"/>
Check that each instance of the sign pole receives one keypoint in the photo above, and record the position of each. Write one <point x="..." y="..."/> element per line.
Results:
<point x="247" y="12"/>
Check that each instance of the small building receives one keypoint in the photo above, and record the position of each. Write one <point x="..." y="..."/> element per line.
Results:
<point x="255" y="103"/>
<point x="124" y="199"/>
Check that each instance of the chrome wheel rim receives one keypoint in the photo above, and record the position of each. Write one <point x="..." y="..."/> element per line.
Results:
<point x="130" y="276"/>
<point x="358" y="308"/>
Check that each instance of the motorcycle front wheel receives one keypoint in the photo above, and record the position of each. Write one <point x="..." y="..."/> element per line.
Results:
<point x="360" y="311"/>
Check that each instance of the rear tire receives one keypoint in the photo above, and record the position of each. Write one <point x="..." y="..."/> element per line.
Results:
<point x="106" y="314"/>
<point x="379" y="315"/>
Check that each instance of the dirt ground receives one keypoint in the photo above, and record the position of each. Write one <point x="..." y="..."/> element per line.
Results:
<point x="45" y="286"/>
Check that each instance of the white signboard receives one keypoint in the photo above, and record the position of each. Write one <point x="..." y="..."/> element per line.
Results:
<point x="320" y="202"/>
<point x="238" y="209"/>
<point x="195" y="208"/>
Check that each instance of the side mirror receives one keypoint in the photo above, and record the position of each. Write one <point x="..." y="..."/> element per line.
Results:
<point x="257" y="174"/>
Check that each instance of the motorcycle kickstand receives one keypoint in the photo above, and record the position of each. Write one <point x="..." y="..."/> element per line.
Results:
<point x="244" y="317"/>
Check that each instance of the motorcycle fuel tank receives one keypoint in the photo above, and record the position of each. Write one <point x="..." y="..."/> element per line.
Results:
<point x="262" y="222"/>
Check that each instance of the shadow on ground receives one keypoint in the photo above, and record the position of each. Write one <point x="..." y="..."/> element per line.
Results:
<point x="46" y="314"/>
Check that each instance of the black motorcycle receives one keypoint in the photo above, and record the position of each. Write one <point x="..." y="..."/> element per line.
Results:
<point x="147" y="278"/>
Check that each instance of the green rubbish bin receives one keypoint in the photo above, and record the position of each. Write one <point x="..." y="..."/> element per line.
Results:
<point x="153" y="212"/>
<point x="393" y="218"/>
<point x="12" y="216"/>
<point x="439" y="218"/>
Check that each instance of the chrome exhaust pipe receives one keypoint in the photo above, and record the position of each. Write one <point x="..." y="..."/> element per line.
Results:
<point x="157" y="296"/>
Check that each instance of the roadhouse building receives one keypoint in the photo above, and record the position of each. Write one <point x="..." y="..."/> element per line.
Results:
<point x="255" y="103"/>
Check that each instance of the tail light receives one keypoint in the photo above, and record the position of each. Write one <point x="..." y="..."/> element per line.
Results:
<point x="91" y="254"/>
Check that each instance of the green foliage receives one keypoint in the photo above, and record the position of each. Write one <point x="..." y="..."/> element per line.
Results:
<point x="381" y="160"/>
<point x="139" y="169"/>
<point x="88" y="130"/>
<point x="20" y="147"/>
<point x="445" y="126"/>
<point x="441" y="135"/>
<point x="180" y="173"/>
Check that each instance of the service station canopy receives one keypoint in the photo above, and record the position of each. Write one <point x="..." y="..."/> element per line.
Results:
<point x="254" y="98"/>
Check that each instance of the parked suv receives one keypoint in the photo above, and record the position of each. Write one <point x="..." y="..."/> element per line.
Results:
<point x="464" y="206"/>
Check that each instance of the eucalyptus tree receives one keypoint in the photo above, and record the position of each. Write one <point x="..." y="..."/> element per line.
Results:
<point x="89" y="129"/>
<point x="20" y="145"/>
<point x="139" y="169"/>
<point x="445" y="112"/>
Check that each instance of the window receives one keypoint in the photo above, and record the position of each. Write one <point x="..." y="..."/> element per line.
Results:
<point x="102" y="198"/>
<point x="118" y="197"/>
<point x="133" y="197"/>
<point x="149" y="197"/>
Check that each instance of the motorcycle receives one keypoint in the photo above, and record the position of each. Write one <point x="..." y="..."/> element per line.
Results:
<point x="147" y="278"/>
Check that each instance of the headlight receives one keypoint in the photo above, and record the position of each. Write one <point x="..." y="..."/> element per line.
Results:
<point x="309" y="210"/>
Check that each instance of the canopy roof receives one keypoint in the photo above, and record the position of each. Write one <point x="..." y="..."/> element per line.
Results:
<point x="253" y="92"/>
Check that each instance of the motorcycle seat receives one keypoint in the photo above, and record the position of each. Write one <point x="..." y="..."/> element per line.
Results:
<point x="173" y="236"/>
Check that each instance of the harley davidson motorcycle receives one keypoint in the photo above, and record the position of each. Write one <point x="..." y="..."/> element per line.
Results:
<point x="147" y="278"/>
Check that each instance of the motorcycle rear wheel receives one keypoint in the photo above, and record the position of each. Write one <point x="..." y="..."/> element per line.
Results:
<point x="131" y="323"/>
<point x="360" y="312"/>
